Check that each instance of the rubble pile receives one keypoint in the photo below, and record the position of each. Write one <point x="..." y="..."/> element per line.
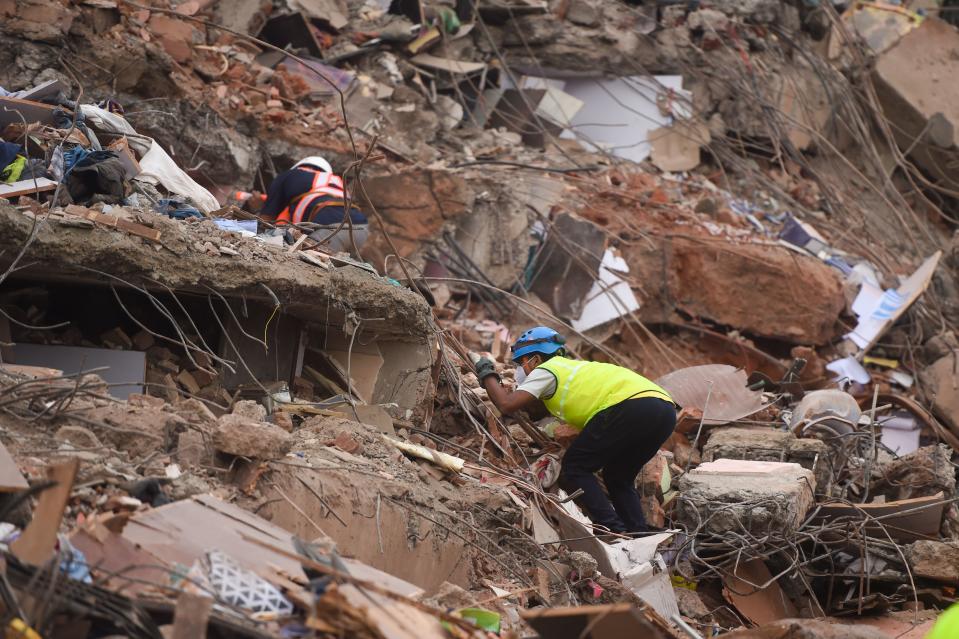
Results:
<point x="216" y="424"/>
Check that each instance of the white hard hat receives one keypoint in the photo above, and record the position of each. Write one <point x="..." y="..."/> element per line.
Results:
<point x="317" y="161"/>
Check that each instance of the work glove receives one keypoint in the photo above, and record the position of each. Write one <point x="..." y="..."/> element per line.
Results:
<point x="484" y="368"/>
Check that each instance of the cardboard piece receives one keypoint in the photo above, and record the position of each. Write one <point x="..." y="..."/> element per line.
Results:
<point x="922" y="521"/>
<point x="11" y="479"/>
<point x="27" y="187"/>
<point x="393" y="619"/>
<point x="723" y="385"/>
<point x="879" y="310"/>
<point x="612" y="621"/>
<point x="127" y="369"/>
<point x="676" y="147"/>
<point x="762" y="606"/>
<point x="36" y="544"/>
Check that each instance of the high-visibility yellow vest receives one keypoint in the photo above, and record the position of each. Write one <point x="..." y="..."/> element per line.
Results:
<point x="586" y="388"/>
<point x="947" y="625"/>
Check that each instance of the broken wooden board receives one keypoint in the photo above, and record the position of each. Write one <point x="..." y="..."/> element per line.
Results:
<point x="36" y="544"/>
<point x="905" y="520"/>
<point x="27" y="187"/>
<point x="182" y="532"/>
<point x="115" y="222"/>
<point x="17" y="110"/>
<point x="760" y="606"/>
<point x="612" y="621"/>
<point x="11" y="479"/>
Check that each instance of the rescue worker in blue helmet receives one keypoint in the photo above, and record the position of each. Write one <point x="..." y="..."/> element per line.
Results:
<point x="623" y="419"/>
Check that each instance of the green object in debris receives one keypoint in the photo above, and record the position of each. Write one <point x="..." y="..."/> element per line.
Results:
<point x="449" y="20"/>
<point x="484" y="619"/>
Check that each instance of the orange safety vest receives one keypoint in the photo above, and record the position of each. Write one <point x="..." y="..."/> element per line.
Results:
<point x="324" y="185"/>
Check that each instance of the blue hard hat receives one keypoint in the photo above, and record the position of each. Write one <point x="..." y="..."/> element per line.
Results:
<point x="541" y="339"/>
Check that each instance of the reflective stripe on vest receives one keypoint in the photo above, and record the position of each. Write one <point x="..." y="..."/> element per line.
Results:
<point x="324" y="184"/>
<point x="586" y="388"/>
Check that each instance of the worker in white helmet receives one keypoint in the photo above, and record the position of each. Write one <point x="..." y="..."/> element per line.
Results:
<point x="310" y="193"/>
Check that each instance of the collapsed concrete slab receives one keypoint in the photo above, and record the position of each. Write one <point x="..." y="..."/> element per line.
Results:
<point x="923" y="108"/>
<point x="258" y="313"/>
<point x="755" y="496"/>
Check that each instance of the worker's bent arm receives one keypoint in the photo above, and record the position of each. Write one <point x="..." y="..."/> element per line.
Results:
<point x="508" y="402"/>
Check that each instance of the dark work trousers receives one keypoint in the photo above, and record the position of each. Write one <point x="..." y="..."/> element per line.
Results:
<point x="619" y="441"/>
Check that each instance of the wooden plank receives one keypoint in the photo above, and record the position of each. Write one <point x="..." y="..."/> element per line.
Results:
<point x="191" y="616"/>
<point x="11" y="110"/>
<point x="905" y="520"/>
<point x="27" y="187"/>
<point x="36" y="544"/>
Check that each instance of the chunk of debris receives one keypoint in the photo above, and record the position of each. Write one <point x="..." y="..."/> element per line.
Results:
<point x="238" y="435"/>
<point x="727" y="494"/>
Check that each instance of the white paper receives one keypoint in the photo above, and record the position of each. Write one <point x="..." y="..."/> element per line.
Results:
<point x="610" y="297"/>
<point x="850" y="368"/>
<point x="618" y="114"/>
<point x="900" y="434"/>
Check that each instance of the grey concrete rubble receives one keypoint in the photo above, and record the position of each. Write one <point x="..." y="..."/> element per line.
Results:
<point x="745" y="496"/>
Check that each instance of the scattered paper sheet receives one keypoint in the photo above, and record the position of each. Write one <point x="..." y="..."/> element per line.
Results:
<point x="878" y="310"/>
<point x="849" y="368"/>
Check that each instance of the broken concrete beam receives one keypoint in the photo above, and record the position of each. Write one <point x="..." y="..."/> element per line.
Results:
<point x="243" y="437"/>
<point x="935" y="560"/>
<point x="728" y="494"/>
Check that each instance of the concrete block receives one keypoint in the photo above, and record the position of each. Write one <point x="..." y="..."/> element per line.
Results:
<point x="760" y="496"/>
<point x="767" y="444"/>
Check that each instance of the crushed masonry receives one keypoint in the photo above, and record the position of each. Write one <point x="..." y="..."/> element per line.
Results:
<point x="228" y="410"/>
